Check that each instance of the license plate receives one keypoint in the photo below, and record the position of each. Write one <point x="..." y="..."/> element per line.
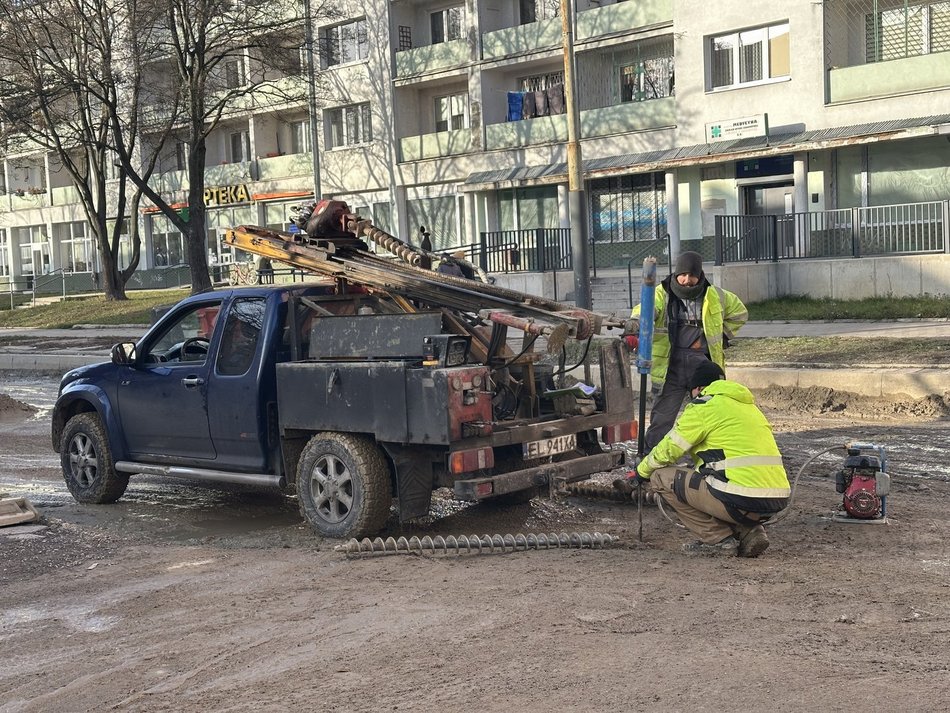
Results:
<point x="550" y="446"/>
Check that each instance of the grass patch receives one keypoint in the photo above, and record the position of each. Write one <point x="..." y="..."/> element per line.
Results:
<point x="92" y="310"/>
<point x="808" y="308"/>
<point x="852" y="351"/>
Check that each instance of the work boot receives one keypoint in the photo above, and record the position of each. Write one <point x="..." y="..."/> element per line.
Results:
<point x="753" y="541"/>
<point x="726" y="546"/>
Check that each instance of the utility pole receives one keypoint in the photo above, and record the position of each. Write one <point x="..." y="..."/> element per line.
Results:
<point x="312" y="98"/>
<point x="577" y="199"/>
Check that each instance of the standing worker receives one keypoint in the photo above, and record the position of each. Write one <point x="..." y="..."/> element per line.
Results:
<point x="737" y="480"/>
<point x="693" y="323"/>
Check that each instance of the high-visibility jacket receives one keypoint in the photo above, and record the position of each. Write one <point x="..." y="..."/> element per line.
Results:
<point x="731" y="443"/>
<point x="723" y="314"/>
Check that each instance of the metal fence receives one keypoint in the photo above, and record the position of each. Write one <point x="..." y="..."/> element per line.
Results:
<point x="908" y="228"/>
<point x="534" y="250"/>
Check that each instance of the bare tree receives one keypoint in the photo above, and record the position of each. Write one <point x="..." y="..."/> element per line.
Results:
<point x="56" y="83"/>
<point x="207" y="59"/>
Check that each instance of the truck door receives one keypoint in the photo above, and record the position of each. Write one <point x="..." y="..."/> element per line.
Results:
<point x="243" y="375"/>
<point x="163" y="400"/>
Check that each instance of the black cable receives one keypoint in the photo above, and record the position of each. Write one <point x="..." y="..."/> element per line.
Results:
<point x="522" y="352"/>
<point x="583" y="358"/>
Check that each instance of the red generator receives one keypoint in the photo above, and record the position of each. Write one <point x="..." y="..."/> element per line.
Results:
<point x="864" y="484"/>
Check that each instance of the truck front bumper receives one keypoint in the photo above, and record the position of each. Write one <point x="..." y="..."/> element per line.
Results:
<point x="567" y="471"/>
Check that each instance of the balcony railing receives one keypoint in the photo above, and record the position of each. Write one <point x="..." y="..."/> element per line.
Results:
<point x="909" y="228"/>
<point x="437" y="145"/>
<point x="532" y="37"/>
<point x="443" y="55"/>
<point x="609" y="19"/>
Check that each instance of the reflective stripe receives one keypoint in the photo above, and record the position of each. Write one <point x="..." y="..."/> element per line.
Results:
<point x="715" y="339"/>
<point x="744" y="461"/>
<point x="680" y="441"/>
<point x="652" y="462"/>
<point x="744" y="490"/>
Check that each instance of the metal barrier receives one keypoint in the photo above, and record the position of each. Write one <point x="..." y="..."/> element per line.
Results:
<point x="534" y="250"/>
<point x="901" y="229"/>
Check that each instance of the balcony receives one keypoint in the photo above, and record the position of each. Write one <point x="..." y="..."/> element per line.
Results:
<point x="228" y="174"/>
<point x="527" y="132"/>
<point x="64" y="195"/>
<point x="290" y="166"/>
<point x="438" y="145"/>
<point x="169" y="181"/>
<point x="629" y="116"/>
<point x="29" y="200"/>
<point x="522" y="39"/>
<point x="445" y="55"/>
<point x="896" y="76"/>
<point x="621" y="16"/>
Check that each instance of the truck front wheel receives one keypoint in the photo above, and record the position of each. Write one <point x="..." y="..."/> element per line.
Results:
<point x="343" y="485"/>
<point x="87" y="461"/>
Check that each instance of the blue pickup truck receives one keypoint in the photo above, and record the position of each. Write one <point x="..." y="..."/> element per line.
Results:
<point x="345" y="398"/>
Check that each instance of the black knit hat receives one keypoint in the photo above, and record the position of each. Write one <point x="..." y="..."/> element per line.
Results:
<point x="705" y="374"/>
<point x="688" y="262"/>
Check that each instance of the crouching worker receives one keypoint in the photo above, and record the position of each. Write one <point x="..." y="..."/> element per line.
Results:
<point x="737" y="481"/>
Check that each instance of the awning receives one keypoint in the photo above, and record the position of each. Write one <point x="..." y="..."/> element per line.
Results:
<point x="706" y="154"/>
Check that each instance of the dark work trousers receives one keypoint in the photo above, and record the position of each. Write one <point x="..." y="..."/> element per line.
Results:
<point x="668" y="399"/>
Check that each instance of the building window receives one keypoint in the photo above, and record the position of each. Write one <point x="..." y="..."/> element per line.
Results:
<point x="540" y="82"/>
<point x="446" y="24"/>
<point x="749" y="57"/>
<point x="300" y="136"/>
<point x="451" y="112"/>
<point x="181" y="155"/>
<point x="344" y="43"/>
<point x="75" y="248"/>
<point x="907" y="31"/>
<point x="234" y="73"/>
<point x="349" y="125"/>
<point x="4" y="256"/>
<point x="534" y="10"/>
<point x="649" y="79"/>
<point x="239" y="147"/>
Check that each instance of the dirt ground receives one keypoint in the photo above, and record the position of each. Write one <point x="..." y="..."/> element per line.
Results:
<point x="194" y="598"/>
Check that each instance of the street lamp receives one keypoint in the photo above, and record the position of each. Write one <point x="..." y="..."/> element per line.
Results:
<point x="577" y="200"/>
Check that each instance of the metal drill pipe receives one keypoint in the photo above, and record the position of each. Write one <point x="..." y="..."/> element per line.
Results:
<point x="475" y="544"/>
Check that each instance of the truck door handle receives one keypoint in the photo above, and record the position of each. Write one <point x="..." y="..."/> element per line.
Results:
<point x="192" y="381"/>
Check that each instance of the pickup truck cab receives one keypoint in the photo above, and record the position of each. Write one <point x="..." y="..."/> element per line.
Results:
<point x="344" y="399"/>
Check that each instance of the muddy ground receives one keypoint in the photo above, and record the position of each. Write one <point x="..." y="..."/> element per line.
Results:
<point x="193" y="598"/>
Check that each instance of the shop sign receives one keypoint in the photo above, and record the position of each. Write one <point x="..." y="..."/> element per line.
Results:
<point x="223" y="195"/>
<point x="742" y="128"/>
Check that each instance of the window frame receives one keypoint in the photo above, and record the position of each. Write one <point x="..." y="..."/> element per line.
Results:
<point x="736" y="56"/>
<point x="344" y="119"/>
<point x="336" y="39"/>
<point x="449" y="120"/>
<point x="442" y="28"/>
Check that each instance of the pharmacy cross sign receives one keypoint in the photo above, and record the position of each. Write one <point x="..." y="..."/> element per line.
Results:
<point x="742" y="128"/>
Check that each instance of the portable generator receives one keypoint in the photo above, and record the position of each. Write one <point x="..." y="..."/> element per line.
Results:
<point x="864" y="484"/>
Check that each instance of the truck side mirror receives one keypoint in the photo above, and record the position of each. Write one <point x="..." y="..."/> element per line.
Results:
<point x="123" y="353"/>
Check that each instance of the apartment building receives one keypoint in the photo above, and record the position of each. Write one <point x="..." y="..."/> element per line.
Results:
<point x="453" y="116"/>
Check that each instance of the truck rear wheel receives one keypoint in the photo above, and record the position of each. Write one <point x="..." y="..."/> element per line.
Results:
<point x="87" y="461"/>
<point x="343" y="485"/>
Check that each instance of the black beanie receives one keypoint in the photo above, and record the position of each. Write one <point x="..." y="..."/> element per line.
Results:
<point x="705" y="374"/>
<point x="688" y="262"/>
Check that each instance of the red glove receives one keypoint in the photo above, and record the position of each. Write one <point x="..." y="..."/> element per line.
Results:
<point x="632" y="341"/>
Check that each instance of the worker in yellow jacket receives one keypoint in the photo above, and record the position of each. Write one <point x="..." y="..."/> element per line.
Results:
<point x="737" y="480"/>
<point x="693" y="323"/>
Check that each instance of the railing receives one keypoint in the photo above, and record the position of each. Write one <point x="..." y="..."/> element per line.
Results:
<point x="640" y="258"/>
<point x="534" y="250"/>
<point x="903" y="229"/>
<point x="48" y="278"/>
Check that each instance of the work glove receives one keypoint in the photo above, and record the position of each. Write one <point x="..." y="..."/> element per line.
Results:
<point x="632" y="341"/>
<point x="628" y="486"/>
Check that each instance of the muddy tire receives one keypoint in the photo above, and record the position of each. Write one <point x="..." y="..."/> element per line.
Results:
<point x="343" y="485"/>
<point x="86" y="457"/>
